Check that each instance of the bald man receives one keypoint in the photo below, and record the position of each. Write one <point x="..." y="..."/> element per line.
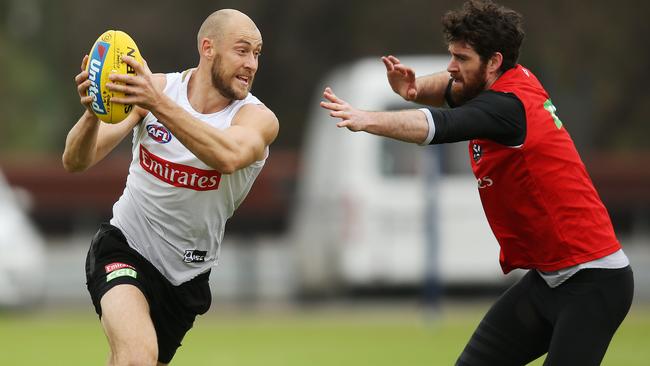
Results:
<point x="200" y="138"/>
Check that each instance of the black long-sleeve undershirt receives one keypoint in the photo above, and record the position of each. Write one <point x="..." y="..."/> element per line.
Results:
<point x="496" y="116"/>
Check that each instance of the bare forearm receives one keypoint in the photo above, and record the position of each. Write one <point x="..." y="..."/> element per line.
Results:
<point x="431" y="89"/>
<point x="80" y="144"/>
<point x="208" y="144"/>
<point x="408" y="125"/>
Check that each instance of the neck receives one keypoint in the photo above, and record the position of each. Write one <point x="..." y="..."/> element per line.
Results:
<point x="203" y="96"/>
<point x="492" y="78"/>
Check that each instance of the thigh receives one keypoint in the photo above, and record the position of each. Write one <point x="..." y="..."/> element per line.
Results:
<point x="128" y="326"/>
<point x="117" y="279"/>
<point x="111" y="262"/>
<point x="514" y="331"/>
<point x="592" y="305"/>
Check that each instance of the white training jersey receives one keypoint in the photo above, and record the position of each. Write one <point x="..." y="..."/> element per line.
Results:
<point x="174" y="207"/>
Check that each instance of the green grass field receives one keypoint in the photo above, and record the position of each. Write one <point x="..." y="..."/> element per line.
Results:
<point x="357" y="335"/>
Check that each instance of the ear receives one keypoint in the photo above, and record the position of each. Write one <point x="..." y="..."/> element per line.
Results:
<point x="495" y="62"/>
<point x="206" y="48"/>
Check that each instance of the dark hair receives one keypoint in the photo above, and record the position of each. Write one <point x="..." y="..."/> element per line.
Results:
<point x="487" y="28"/>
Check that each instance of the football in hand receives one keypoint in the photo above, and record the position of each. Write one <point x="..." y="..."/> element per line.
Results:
<point x="105" y="58"/>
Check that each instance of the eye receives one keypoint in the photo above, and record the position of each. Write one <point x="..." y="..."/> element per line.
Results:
<point x="241" y="51"/>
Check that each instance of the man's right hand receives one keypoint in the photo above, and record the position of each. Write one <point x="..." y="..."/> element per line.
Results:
<point x="83" y="83"/>
<point x="351" y="118"/>
<point x="401" y="78"/>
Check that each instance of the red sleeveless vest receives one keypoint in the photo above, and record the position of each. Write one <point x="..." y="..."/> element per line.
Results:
<point x="538" y="197"/>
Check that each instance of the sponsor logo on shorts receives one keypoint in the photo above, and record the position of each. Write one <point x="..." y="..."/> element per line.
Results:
<point x="115" y="270"/>
<point x="159" y="133"/>
<point x="117" y="265"/>
<point x="194" y="256"/>
<point x="179" y="175"/>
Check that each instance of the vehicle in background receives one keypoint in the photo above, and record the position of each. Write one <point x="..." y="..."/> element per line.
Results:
<point x="22" y="253"/>
<point x="361" y="219"/>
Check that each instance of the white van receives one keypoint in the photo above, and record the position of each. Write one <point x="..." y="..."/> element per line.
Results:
<point x="368" y="216"/>
<point x="22" y="253"/>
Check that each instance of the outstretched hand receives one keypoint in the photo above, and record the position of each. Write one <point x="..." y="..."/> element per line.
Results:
<point x="351" y="118"/>
<point x="139" y="89"/>
<point x="401" y="78"/>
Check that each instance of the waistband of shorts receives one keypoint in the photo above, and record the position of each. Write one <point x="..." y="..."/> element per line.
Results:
<point x="596" y="274"/>
<point x="202" y="277"/>
<point x="108" y="227"/>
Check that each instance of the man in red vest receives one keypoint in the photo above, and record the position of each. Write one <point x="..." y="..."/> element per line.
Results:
<point x="535" y="190"/>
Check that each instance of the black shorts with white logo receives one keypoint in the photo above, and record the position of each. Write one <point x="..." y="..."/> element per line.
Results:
<point x="111" y="262"/>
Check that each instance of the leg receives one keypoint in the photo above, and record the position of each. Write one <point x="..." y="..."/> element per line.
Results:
<point x="117" y="279"/>
<point x="593" y="305"/>
<point x="513" y="332"/>
<point x="128" y="327"/>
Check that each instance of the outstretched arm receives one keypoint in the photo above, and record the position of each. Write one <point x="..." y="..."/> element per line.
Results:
<point x="428" y="90"/>
<point x="253" y="128"/>
<point x="407" y="125"/>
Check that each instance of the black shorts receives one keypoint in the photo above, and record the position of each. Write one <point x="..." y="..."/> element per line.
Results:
<point x="111" y="262"/>
<point x="573" y="322"/>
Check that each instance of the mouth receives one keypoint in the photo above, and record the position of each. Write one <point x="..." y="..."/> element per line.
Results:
<point x="244" y="79"/>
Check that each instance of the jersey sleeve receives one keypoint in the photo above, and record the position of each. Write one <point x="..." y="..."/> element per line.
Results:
<point x="496" y="116"/>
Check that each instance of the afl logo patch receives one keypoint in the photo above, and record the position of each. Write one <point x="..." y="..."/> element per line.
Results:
<point x="477" y="152"/>
<point x="159" y="133"/>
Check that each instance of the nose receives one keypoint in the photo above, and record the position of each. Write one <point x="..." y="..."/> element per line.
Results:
<point x="452" y="67"/>
<point x="251" y="62"/>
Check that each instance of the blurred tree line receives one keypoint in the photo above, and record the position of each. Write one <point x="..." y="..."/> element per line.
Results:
<point x="589" y="54"/>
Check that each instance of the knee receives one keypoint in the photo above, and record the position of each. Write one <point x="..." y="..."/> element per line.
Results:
<point x="141" y="356"/>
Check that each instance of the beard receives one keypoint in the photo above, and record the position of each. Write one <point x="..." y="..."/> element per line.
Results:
<point x="472" y="86"/>
<point x="223" y="84"/>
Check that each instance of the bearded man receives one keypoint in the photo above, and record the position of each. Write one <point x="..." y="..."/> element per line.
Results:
<point x="536" y="193"/>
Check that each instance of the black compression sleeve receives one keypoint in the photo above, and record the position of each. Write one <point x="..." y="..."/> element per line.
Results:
<point x="491" y="115"/>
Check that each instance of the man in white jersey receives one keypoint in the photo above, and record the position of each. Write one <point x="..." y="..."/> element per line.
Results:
<point x="199" y="141"/>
